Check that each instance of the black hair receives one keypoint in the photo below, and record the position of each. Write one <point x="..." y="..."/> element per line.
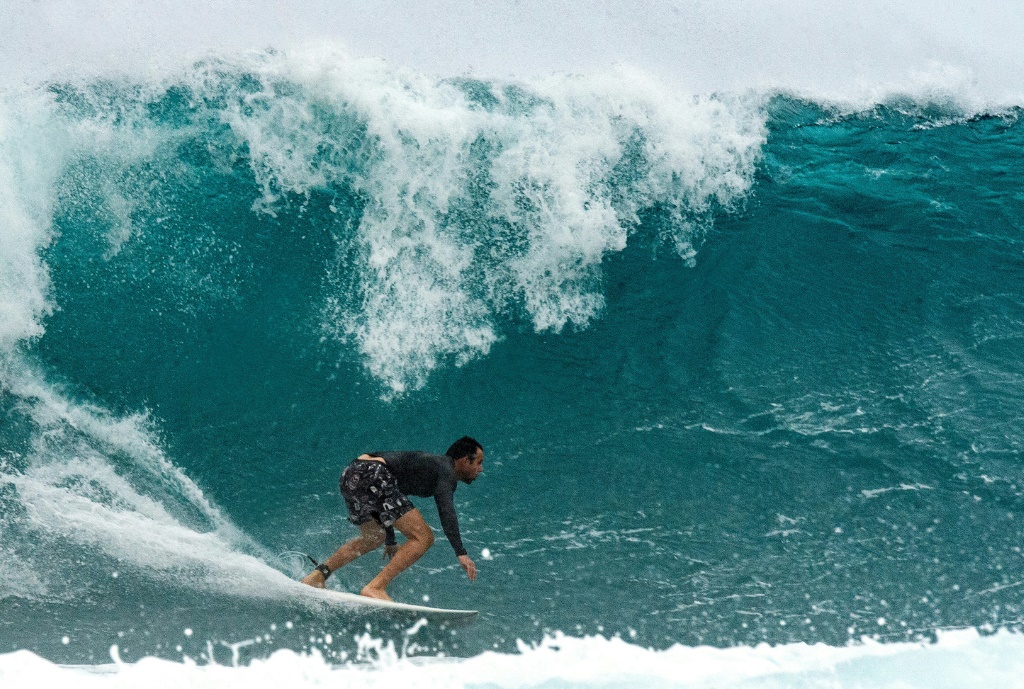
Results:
<point x="464" y="447"/>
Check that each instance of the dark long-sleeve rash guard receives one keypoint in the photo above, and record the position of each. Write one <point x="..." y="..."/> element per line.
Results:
<point x="427" y="475"/>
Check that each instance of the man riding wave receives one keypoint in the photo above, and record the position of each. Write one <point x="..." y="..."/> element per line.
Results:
<point x="375" y="486"/>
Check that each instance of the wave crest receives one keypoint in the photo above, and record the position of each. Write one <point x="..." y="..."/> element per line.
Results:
<point x="481" y="197"/>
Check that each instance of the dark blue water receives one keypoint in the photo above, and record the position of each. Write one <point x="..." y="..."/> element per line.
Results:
<point x="744" y="369"/>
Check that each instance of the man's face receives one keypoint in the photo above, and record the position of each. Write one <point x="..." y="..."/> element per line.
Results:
<point x="469" y="467"/>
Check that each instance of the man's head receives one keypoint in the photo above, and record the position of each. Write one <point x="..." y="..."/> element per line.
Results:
<point x="467" y="458"/>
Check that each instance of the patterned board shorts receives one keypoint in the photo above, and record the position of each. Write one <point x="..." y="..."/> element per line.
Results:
<point x="371" y="492"/>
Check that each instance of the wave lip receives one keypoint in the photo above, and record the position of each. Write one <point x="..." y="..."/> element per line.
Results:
<point x="468" y="198"/>
<point x="487" y="197"/>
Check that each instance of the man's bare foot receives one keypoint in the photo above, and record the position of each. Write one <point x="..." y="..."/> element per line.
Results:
<point x="380" y="594"/>
<point x="315" y="579"/>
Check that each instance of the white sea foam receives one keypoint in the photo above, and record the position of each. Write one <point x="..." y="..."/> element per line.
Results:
<point x="27" y="172"/>
<point x="568" y="163"/>
<point x="93" y="478"/>
<point x="959" y="660"/>
<point x="556" y="207"/>
<point x="100" y="481"/>
<point x="36" y="144"/>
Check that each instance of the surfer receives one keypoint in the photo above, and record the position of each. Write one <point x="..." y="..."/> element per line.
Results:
<point x="375" y="486"/>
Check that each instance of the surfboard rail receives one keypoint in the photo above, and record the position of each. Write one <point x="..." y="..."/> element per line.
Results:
<point x="364" y="602"/>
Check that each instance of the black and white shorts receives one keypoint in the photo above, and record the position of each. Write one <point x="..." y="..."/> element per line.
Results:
<point x="371" y="492"/>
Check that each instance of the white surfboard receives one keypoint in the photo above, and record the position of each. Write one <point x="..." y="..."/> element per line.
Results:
<point x="366" y="604"/>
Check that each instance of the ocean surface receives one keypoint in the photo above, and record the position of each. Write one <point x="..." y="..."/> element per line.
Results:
<point x="747" y="367"/>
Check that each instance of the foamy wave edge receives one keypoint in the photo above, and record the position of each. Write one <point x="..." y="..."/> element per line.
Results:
<point x="960" y="658"/>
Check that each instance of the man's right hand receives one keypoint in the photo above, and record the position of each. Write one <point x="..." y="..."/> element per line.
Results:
<point x="468" y="565"/>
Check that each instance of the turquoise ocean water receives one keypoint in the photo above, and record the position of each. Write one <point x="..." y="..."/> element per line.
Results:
<point x="747" y="367"/>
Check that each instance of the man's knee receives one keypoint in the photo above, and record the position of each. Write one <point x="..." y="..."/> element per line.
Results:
<point x="422" y="535"/>
<point x="414" y="528"/>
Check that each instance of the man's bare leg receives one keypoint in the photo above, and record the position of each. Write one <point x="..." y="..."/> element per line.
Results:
<point x="370" y="538"/>
<point x="419" y="539"/>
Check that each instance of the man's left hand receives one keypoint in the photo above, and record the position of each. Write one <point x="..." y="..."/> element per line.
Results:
<point x="468" y="565"/>
<point x="390" y="550"/>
